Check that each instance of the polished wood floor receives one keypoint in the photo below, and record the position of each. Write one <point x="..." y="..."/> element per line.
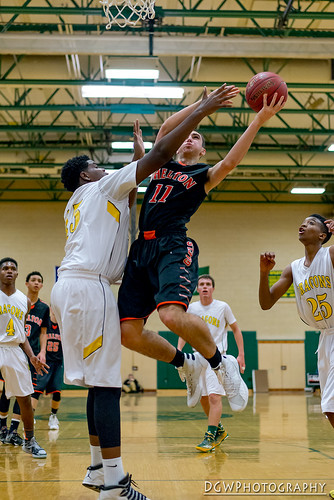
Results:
<point x="280" y="446"/>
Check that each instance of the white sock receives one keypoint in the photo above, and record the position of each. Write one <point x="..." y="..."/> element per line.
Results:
<point x="113" y="470"/>
<point x="96" y="455"/>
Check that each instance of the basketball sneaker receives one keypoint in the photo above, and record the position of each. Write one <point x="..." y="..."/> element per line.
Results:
<point x="34" y="448"/>
<point x="191" y="370"/>
<point x="208" y="443"/>
<point x="221" y="435"/>
<point x="94" y="478"/>
<point x="13" y="438"/>
<point x="53" y="422"/>
<point x="229" y="376"/>
<point x="121" y="491"/>
<point x="3" y="434"/>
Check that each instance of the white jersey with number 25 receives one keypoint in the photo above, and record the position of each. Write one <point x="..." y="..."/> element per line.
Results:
<point x="314" y="290"/>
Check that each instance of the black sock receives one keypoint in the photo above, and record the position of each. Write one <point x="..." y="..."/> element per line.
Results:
<point x="178" y="359"/>
<point x="215" y="360"/>
<point x="14" y="425"/>
<point x="29" y="435"/>
<point x="3" y="422"/>
<point x="54" y="411"/>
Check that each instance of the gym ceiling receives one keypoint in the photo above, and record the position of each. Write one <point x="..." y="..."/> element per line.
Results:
<point x="49" y="49"/>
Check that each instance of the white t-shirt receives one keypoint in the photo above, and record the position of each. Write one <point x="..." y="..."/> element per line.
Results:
<point x="96" y="224"/>
<point x="13" y="309"/>
<point x="314" y="289"/>
<point x="218" y="316"/>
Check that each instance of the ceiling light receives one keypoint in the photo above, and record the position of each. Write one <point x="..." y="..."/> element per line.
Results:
<point x="136" y="74"/>
<point x="129" y="145"/>
<point x="307" y="190"/>
<point x="331" y="147"/>
<point x="120" y="91"/>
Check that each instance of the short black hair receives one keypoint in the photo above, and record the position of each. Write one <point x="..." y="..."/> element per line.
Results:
<point x="70" y="172"/>
<point x="206" y="277"/>
<point x="33" y="273"/>
<point x="8" y="259"/>
<point x="324" y="227"/>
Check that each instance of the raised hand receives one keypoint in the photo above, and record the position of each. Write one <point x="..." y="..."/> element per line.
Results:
<point x="138" y="143"/>
<point x="267" y="262"/>
<point x="219" y="98"/>
<point x="330" y="224"/>
<point x="269" y="110"/>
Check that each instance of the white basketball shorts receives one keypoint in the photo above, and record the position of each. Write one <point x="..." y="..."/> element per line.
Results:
<point x="15" y="371"/>
<point x="209" y="383"/>
<point x="326" y="370"/>
<point x="88" y="319"/>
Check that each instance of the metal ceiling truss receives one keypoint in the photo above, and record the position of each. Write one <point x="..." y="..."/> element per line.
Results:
<point x="43" y="121"/>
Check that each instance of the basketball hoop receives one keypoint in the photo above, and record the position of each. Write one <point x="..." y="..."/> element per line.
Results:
<point x="127" y="12"/>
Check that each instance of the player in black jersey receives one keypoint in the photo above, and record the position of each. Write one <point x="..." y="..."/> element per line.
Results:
<point x="35" y="327"/>
<point x="38" y="317"/>
<point x="162" y="267"/>
<point x="52" y="382"/>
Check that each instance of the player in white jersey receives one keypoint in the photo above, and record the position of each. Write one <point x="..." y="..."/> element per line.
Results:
<point x="96" y="221"/>
<point x="313" y="280"/>
<point x="218" y="316"/>
<point x="14" y="306"/>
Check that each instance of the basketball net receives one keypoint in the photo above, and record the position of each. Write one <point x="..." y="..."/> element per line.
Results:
<point x="127" y="12"/>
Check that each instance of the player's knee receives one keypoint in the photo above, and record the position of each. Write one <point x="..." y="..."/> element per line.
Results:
<point x="130" y="334"/>
<point x="215" y="399"/>
<point x="171" y="316"/>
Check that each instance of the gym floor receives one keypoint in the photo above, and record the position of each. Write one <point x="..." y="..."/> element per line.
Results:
<point x="281" y="446"/>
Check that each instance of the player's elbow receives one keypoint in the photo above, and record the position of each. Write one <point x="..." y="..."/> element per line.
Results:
<point x="265" y="306"/>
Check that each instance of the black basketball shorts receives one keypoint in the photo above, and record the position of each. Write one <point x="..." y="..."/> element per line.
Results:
<point x="159" y="271"/>
<point x="52" y="381"/>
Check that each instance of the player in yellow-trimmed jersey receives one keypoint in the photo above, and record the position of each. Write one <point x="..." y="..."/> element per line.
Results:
<point x="313" y="279"/>
<point x="14" y="306"/>
<point x="96" y="221"/>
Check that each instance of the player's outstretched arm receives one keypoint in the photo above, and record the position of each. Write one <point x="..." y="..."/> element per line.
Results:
<point x="168" y="145"/>
<point x="269" y="296"/>
<point x="138" y="143"/>
<point x="138" y="152"/>
<point x="217" y="173"/>
<point x="330" y="224"/>
<point x="173" y="121"/>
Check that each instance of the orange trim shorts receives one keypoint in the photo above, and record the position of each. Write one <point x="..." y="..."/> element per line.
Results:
<point x="159" y="271"/>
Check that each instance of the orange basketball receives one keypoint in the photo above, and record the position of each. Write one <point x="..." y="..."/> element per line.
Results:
<point x="265" y="83"/>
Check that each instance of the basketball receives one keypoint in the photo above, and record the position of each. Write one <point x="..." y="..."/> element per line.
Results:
<point x="265" y="83"/>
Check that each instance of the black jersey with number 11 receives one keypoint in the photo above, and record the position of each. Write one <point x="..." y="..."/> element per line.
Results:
<point x="173" y="196"/>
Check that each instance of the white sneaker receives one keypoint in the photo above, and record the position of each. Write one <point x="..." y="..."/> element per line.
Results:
<point x="191" y="370"/>
<point x="121" y="491"/>
<point x="229" y="376"/>
<point x="181" y="373"/>
<point x="53" y="422"/>
<point x="33" y="448"/>
<point x="94" y="478"/>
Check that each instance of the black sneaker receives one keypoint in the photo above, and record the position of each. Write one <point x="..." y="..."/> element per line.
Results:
<point x="34" y="448"/>
<point x="122" y="489"/>
<point x="13" y="438"/>
<point x="3" y="434"/>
